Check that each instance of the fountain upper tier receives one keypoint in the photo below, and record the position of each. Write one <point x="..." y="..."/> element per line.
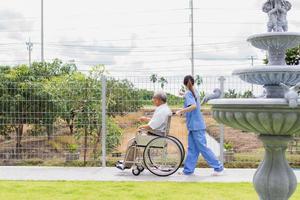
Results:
<point x="276" y="44"/>
<point x="277" y="71"/>
<point x="275" y="40"/>
<point x="270" y="75"/>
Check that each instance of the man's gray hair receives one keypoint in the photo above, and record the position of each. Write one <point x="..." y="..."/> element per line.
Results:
<point x="160" y="95"/>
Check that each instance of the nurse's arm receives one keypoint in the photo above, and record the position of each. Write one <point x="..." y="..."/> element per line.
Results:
<point x="187" y="109"/>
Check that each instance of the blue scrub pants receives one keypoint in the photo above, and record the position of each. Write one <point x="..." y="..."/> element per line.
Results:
<point x="197" y="144"/>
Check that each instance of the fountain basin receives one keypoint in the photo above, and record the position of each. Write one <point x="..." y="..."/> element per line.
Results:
<point x="270" y="75"/>
<point x="262" y="116"/>
<point x="275" y="40"/>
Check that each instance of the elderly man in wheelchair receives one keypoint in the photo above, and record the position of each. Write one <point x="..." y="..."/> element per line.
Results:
<point x="152" y="147"/>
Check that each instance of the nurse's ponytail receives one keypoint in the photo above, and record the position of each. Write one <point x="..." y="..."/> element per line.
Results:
<point x="189" y="83"/>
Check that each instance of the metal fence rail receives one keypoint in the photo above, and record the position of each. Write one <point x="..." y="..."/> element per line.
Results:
<point x="87" y="119"/>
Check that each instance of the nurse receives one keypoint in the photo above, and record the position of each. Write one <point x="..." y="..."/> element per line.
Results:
<point x="196" y="132"/>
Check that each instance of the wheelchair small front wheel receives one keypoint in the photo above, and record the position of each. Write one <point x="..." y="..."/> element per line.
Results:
<point x="162" y="156"/>
<point x="140" y="168"/>
<point x="136" y="171"/>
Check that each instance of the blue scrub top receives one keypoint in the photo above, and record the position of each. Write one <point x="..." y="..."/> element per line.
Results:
<point x="194" y="119"/>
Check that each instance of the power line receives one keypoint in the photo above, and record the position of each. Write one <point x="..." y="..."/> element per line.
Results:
<point x="141" y="26"/>
<point x="175" y="10"/>
<point x="116" y="50"/>
<point x="143" y="47"/>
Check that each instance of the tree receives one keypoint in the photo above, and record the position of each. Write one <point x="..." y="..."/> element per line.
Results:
<point x="47" y="93"/>
<point x="23" y="100"/>
<point x="198" y="81"/>
<point x="182" y="90"/>
<point x="122" y="97"/>
<point x="162" y="80"/>
<point x="79" y="98"/>
<point x="69" y="94"/>
<point x="293" y="56"/>
<point x="47" y="70"/>
<point x="153" y="79"/>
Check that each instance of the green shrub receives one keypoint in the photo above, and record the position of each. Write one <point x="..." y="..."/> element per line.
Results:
<point x="228" y="146"/>
<point x="114" y="133"/>
<point x="246" y="94"/>
<point x="72" y="148"/>
<point x="231" y="93"/>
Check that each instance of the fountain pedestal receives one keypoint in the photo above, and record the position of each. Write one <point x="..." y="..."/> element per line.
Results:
<point x="276" y="56"/>
<point x="274" y="178"/>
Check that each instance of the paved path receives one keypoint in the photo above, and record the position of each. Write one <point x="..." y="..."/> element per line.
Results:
<point x="113" y="174"/>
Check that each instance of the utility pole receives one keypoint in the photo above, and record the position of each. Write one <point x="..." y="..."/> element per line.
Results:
<point x="252" y="64"/>
<point x="42" y="31"/>
<point x="252" y="61"/>
<point x="192" y="36"/>
<point x="29" y="48"/>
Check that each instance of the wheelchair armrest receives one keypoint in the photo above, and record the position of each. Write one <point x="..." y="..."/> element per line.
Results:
<point x="156" y="133"/>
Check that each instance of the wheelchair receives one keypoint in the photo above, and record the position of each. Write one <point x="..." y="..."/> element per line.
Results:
<point x="159" y="152"/>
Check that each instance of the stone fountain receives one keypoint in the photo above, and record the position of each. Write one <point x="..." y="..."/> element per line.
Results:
<point x="276" y="116"/>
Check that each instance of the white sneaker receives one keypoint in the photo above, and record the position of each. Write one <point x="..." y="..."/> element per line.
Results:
<point x="120" y="161"/>
<point x="120" y="166"/>
<point x="215" y="173"/>
<point x="183" y="174"/>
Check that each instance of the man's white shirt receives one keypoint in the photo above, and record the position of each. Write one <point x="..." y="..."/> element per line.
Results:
<point x="159" y="119"/>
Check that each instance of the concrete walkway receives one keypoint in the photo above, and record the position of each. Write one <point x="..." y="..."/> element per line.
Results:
<point x="113" y="174"/>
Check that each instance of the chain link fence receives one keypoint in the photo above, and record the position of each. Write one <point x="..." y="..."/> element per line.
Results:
<point x="85" y="119"/>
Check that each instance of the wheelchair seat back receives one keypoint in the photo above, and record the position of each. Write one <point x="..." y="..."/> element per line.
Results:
<point x="168" y="126"/>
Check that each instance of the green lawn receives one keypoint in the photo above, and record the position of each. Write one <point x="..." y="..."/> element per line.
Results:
<point x="31" y="190"/>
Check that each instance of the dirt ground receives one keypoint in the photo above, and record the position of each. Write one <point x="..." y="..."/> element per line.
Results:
<point x="241" y="141"/>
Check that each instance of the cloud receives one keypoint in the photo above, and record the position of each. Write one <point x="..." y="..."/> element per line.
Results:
<point x="14" y="25"/>
<point x="86" y="52"/>
<point x="236" y="51"/>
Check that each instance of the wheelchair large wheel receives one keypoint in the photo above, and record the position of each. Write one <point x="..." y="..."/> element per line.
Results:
<point x="181" y="146"/>
<point x="162" y="156"/>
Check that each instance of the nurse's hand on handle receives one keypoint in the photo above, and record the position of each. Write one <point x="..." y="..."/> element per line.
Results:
<point x="179" y="113"/>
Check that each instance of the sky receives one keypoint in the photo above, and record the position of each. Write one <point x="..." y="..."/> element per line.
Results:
<point x="137" y="37"/>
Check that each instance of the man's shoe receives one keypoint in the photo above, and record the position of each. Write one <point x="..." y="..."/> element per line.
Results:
<point x="120" y="166"/>
<point x="120" y="161"/>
